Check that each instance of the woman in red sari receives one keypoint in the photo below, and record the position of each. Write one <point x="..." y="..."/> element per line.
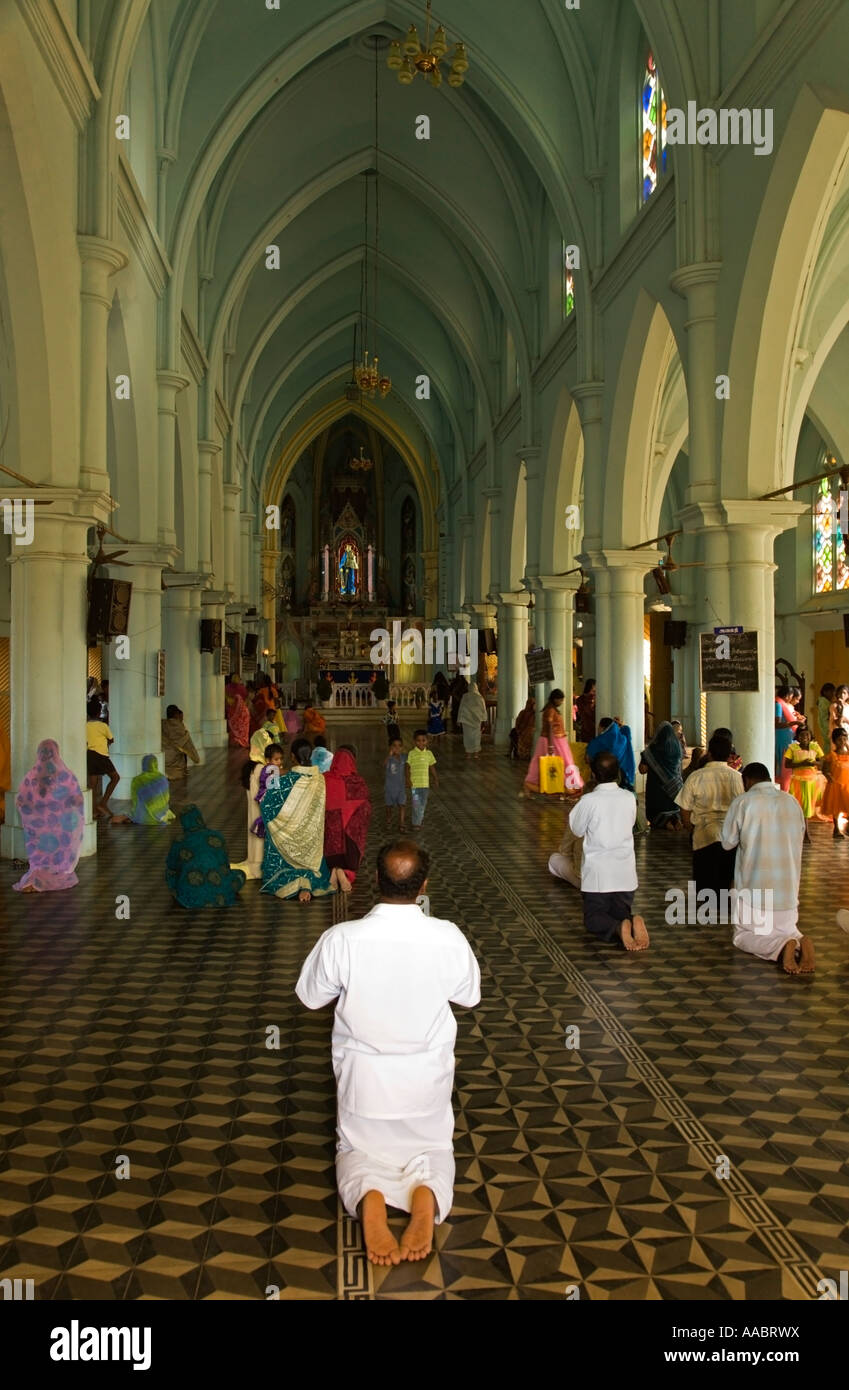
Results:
<point x="237" y="713"/>
<point x="346" y="817"/>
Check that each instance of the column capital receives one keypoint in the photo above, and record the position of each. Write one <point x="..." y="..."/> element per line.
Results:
<point x="184" y="579"/>
<point x="519" y="599"/>
<point x="171" y="381"/>
<point x="231" y="490"/>
<point x="213" y="597"/>
<point x="689" y="277"/>
<point x="588" y="395"/>
<point x="151" y="553"/>
<point x="96" y="250"/>
<point x="209" y="446"/>
<point x="493" y="493"/>
<point x="775" y="515"/>
<point x="637" y="561"/>
<point x="554" y="583"/>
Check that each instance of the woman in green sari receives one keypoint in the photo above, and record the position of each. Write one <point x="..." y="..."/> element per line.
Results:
<point x="293" y="863"/>
<point x="150" y="795"/>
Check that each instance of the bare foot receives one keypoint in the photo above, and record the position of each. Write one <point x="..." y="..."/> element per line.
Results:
<point x="635" y="937"/>
<point x="805" y="956"/>
<point x="304" y="896"/>
<point x="417" y="1240"/>
<point x="29" y="889"/>
<point x="788" y="958"/>
<point x="121" y="820"/>
<point x="381" y="1245"/>
<point x="343" y="882"/>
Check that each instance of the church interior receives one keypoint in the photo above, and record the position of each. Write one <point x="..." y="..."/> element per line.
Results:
<point x="435" y="323"/>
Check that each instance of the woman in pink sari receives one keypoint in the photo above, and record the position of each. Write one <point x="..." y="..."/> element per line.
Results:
<point x="292" y="719"/>
<point x="238" y="714"/>
<point x="553" y="740"/>
<point x="52" y="811"/>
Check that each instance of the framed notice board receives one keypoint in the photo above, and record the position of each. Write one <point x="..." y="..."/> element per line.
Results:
<point x="539" y="666"/>
<point x="736" y="671"/>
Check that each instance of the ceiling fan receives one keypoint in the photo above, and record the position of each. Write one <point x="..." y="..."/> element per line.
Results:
<point x="101" y="558"/>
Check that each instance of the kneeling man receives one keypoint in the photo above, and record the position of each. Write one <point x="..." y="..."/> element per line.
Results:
<point x="394" y="974"/>
<point x="767" y="826"/>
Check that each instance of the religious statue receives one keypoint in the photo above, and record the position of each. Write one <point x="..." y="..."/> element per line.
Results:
<point x="348" y="567"/>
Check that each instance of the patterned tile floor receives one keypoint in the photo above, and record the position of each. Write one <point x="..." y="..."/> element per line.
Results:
<point x="139" y="1048"/>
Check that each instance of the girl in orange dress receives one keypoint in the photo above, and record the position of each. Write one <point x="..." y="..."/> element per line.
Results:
<point x="835" y="801"/>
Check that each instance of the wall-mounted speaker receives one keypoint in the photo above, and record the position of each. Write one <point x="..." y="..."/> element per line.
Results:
<point x="251" y="644"/>
<point x="108" y="609"/>
<point x="488" y="641"/>
<point x="210" y="634"/>
<point x="846" y="628"/>
<point x="674" y="633"/>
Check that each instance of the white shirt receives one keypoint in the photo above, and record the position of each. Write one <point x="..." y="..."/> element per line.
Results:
<point x="394" y="974"/>
<point x="605" y="817"/>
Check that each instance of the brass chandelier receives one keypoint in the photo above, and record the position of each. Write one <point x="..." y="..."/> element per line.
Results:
<point x="370" y="380"/>
<point x="410" y="58"/>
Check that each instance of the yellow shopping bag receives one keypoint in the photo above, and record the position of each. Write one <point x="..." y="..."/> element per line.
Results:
<point x="551" y="779"/>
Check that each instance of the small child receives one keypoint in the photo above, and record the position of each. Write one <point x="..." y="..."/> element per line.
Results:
<point x="420" y="760"/>
<point x="395" y="783"/>
<point x="271" y="771"/>
<point x="390" y="719"/>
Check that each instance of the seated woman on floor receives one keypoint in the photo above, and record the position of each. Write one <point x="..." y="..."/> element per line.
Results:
<point x="52" y="811"/>
<point x="150" y="793"/>
<point x="197" y="869"/>
<point x="293" y="863"/>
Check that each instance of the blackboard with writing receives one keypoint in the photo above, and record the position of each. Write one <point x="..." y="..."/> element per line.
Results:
<point x="738" y="671"/>
<point x="539" y="666"/>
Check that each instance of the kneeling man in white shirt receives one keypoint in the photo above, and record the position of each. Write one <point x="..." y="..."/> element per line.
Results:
<point x="394" y="974"/>
<point x="605" y="817"/>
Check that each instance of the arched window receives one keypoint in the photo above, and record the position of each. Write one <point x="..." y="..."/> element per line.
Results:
<point x="652" y="116"/>
<point x="831" y="567"/>
<point x="568" y="284"/>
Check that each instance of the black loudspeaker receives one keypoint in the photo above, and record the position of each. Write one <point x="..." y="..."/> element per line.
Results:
<point x="846" y="628"/>
<point x="210" y="634"/>
<point x="251" y="644"/>
<point x="108" y="609"/>
<point x="488" y="641"/>
<point x="674" y="634"/>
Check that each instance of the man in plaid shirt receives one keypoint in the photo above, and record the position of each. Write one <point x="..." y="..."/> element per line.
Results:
<point x="767" y="827"/>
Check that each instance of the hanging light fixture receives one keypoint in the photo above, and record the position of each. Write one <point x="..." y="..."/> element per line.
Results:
<point x="370" y="380"/>
<point x="409" y="58"/>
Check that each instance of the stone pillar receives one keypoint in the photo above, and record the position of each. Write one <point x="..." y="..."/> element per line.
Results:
<point x="229" y="581"/>
<point x="169" y="384"/>
<point x="620" y="633"/>
<point x="512" y="671"/>
<point x="207" y="451"/>
<point x="246" y="521"/>
<point x="269" y="602"/>
<point x="537" y="617"/>
<point x="182" y="649"/>
<point x="698" y="284"/>
<point x="558" y="593"/>
<point x="706" y="521"/>
<point x="48" y="642"/>
<point x="752" y="528"/>
<point x="496" y="551"/>
<point x="213" y="722"/>
<point x="588" y="396"/>
<point x="134" y="710"/>
<point x="100" y="259"/>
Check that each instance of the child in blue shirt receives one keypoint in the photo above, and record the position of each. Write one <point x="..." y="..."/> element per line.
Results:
<point x="395" y="783"/>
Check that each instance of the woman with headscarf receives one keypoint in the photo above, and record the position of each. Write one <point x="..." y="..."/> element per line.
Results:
<point x="524" y="730"/>
<point x="149" y="795"/>
<point x="459" y="687"/>
<point x="237" y="713"/>
<point x="346" y="817"/>
<point x="471" y="714"/>
<point x="786" y="720"/>
<point x="197" y="869"/>
<point x="314" y="722"/>
<point x="585" y="714"/>
<point x="292" y="720"/>
<point x="293" y="862"/>
<point x="52" y="811"/>
<point x="661" y="762"/>
<point x="615" y="738"/>
<point x="251" y="865"/>
<point x="553" y="741"/>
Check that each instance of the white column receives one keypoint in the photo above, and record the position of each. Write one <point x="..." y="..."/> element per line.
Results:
<point x="134" y="710"/>
<point x="169" y="384"/>
<point x="182" y="650"/>
<point x="537" y="620"/>
<point x="559" y="593"/>
<point x="246" y="521"/>
<point x="213" y="723"/>
<point x="193" y="707"/>
<point x="698" y="283"/>
<point x="48" y="642"/>
<point x="207" y="451"/>
<point x="512" y="670"/>
<point x="100" y="259"/>
<point x="620" y="630"/>
<point x="229" y="581"/>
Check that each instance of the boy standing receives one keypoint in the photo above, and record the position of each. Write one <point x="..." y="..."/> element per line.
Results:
<point x="420" y="760"/>
<point x="395" y="783"/>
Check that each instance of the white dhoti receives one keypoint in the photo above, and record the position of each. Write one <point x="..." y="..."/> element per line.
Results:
<point x="394" y="1157"/>
<point x="564" y="868"/>
<point x="763" y="942"/>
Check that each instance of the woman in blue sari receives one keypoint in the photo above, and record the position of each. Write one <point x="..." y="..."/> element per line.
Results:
<point x="293" y="863"/>
<point x="197" y="869"/>
<point x="661" y="762"/>
<point x="615" y="738"/>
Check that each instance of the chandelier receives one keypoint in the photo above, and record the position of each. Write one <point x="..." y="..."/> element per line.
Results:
<point x="361" y="463"/>
<point x="410" y="58"/>
<point x="368" y="379"/>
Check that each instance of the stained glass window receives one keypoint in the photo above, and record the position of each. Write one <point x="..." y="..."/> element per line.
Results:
<point x="568" y="286"/>
<point x="653" y="103"/>
<point x="831" y="566"/>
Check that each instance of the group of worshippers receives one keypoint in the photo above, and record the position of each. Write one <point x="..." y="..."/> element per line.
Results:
<point x="815" y="772"/>
<point x="306" y="827"/>
<point x="747" y="838"/>
<point x="257" y="704"/>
